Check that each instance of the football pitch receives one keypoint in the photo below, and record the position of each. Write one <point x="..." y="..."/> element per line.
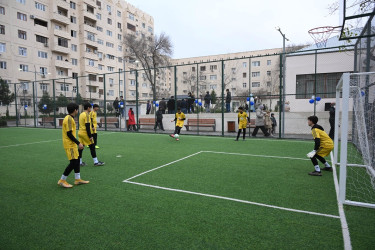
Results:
<point x="155" y="192"/>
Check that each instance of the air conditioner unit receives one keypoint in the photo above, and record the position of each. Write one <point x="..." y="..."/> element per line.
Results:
<point x="46" y="45"/>
<point x="109" y="13"/>
<point x="32" y="17"/>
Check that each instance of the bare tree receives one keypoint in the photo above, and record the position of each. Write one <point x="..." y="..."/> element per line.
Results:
<point x="152" y="52"/>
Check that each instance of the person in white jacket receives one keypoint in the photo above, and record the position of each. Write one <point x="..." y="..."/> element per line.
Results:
<point x="259" y="122"/>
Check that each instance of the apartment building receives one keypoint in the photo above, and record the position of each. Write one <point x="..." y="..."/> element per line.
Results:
<point x="255" y="72"/>
<point x="49" y="39"/>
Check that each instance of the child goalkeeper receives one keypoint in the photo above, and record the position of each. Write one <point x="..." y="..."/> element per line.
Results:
<point x="323" y="146"/>
<point x="242" y="122"/>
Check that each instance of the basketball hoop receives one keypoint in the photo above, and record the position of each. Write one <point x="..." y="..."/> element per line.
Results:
<point x="322" y="34"/>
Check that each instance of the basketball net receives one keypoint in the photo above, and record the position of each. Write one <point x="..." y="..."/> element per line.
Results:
<point x="322" y="34"/>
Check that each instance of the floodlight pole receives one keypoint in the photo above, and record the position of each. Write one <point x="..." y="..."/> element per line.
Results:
<point x="283" y="80"/>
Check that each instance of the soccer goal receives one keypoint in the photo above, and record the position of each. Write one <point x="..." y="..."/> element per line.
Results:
<point x="355" y="138"/>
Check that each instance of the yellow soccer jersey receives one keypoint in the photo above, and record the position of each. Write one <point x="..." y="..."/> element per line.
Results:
<point x="68" y="125"/>
<point x="180" y="123"/>
<point x="242" y="118"/>
<point x="326" y="143"/>
<point x="84" y="118"/>
<point x="94" y="122"/>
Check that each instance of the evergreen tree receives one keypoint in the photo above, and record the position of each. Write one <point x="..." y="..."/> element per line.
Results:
<point x="45" y="100"/>
<point x="6" y="97"/>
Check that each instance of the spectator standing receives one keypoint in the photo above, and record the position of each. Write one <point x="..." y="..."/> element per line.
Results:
<point x="162" y="105"/>
<point x="115" y="106"/>
<point x="159" y="120"/>
<point x="228" y="99"/>
<point x="274" y="123"/>
<point x="131" y="121"/>
<point x="122" y="103"/>
<point x="207" y="102"/>
<point x="148" y="107"/>
<point x="268" y="122"/>
<point x="183" y="106"/>
<point x="171" y="105"/>
<point x="190" y="103"/>
<point x="332" y="112"/>
<point x="259" y="121"/>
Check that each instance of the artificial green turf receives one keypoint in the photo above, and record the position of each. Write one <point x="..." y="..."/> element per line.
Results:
<point x="107" y="213"/>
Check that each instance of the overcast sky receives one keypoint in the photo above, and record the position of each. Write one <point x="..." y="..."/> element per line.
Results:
<point x="210" y="27"/>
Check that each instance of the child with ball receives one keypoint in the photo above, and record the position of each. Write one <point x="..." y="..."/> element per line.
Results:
<point x="179" y="119"/>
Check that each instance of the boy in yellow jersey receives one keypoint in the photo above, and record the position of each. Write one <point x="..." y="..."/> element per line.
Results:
<point x="242" y="122"/>
<point x="70" y="145"/>
<point x="84" y="135"/>
<point x="179" y="119"/>
<point x="323" y="146"/>
<point x="94" y="124"/>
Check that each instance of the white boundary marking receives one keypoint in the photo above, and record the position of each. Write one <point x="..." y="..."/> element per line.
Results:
<point x="37" y="142"/>
<point x="344" y="223"/>
<point x="223" y="197"/>
<point x="233" y="199"/>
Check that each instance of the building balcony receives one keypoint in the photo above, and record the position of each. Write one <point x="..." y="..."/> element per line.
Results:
<point x="60" y="49"/>
<point x="63" y="64"/>
<point x="56" y="17"/>
<point x="91" y="69"/>
<point x="63" y="4"/>
<point x="91" y="42"/>
<point x="88" y="28"/>
<point x="91" y="55"/>
<point x="89" y="14"/>
<point x="62" y="33"/>
<point x="91" y="95"/>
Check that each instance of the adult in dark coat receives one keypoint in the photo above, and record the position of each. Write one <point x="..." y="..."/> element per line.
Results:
<point x="190" y="103"/>
<point x="207" y="101"/>
<point x="162" y="105"/>
<point x="332" y="111"/>
<point x="159" y="120"/>
<point x="259" y="121"/>
<point x="148" y="108"/>
<point x="170" y="104"/>
<point x="228" y="99"/>
<point x="183" y="106"/>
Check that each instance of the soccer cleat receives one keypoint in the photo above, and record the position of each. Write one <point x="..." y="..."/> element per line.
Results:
<point x="99" y="163"/>
<point x="172" y="135"/>
<point x="315" y="173"/>
<point x="177" y="139"/>
<point x="327" y="169"/>
<point x="96" y="146"/>
<point x="80" y="181"/>
<point x="83" y="164"/>
<point x="64" y="184"/>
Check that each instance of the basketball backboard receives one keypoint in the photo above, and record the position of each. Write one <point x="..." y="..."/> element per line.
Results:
<point x="355" y="15"/>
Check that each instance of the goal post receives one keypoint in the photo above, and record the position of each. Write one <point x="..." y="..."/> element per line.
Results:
<point x="355" y="138"/>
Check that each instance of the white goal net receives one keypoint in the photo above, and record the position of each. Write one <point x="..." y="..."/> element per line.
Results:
<point x="354" y="152"/>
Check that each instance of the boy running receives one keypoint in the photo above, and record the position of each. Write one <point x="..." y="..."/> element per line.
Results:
<point x="323" y="146"/>
<point x="242" y="122"/>
<point x="70" y="145"/>
<point x="84" y="135"/>
<point x="179" y="119"/>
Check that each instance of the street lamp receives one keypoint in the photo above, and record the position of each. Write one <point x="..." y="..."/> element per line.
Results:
<point x="36" y="115"/>
<point x="283" y="79"/>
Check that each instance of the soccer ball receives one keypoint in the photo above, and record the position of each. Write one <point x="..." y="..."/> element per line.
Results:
<point x="176" y="136"/>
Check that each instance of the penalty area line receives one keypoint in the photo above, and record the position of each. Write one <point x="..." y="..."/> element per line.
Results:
<point x="235" y="200"/>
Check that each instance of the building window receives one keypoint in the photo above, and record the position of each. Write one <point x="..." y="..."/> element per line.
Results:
<point x="109" y="21"/>
<point x="131" y="27"/>
<point x="98" y="28"/>
<point x="40" y="6"/>
<point x="91" y="36"/>
<point x="100" y="41"/>
<point x="2" y="10"/>
<point x="40" y="22"/>
<point x="111" y="92"/>
<point x="100" y="67"/>
<point x="73" y="19"/>
<point x="268" y="62"/>
<point x="244" y="75"/>
<point x="119" y="48"/>
<point x="244" y="85"/>
<point x="63" y="42"/>
<point x="255" y="63"/>
<point x="213" y="67"/>
<point x="2" y="29"/>
<point x="64" y="87"/>
<point x="269" y="84"/>
<point x="269" y="73"/>
<point x="202" y="78"/>
<point x="132" y="82"/>
<point x="109" y="8"/>
<point x="98" y="16"/>
<point x="131" y="16"/>
<point x="244" y="64"/>
<point x="24" y="67"/>
<point x="22" y="51"/>
<point x="21" y="1"/>
<point x="59" y="58"/>
<point x="74" y="76"/>
<point x="91" y="62"/>
<point x="255" y="74"/>
<point x="22" y="34"/>
<point x="2" y="47"/>
<point x="74" y="47"/>
<point x="43" y="71"/>
<point x="119" y="37"/>
<point x="119" y="25"/>
<point x="72" y="5"/>
<point x="214" y="86"/>
<point x="109" y="68"/>
<point x="41" y="39"/>
<point x="111" y="57"/>
<point x="21" y="16"/>
<point x="203" y="68"/>
<point x="74" y="61"/>
<point x="150" y="29"/>
<point x="108" y="44"/>
<point x="132" y="93"/>
<point x="109" y="33"/>
<point x="90" y="9"/>
<point x="193" y="69"/>
<point x="42" y="54"/>
<point x="213" y="77"/>
<point x="44" y="87"/>
<point x="3" y="65"/>
<point x="325" y="85"/>
<point x="255" y="84"/>
<point x="110" y="82"/>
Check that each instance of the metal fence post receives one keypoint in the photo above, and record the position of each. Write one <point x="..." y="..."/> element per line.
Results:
<point x="222" y="97"/>
<point x="136" y="98"/>
<point x="54" y="102"/>
<point x="15" y="99"/>
<point x="315" y="81"/>
<point x="175" y="89"/>
<point x="105" y="104"/>
<point x="35" y="121"/>
<point x="281" y="106"/>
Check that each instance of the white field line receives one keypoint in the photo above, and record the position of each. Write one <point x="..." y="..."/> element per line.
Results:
<point x="264" y="156"/>
<point x="170" y="163"/>
<point x="236" y="200"/>
<point x="37" y="142"/>
<point x="344" y="223"/>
